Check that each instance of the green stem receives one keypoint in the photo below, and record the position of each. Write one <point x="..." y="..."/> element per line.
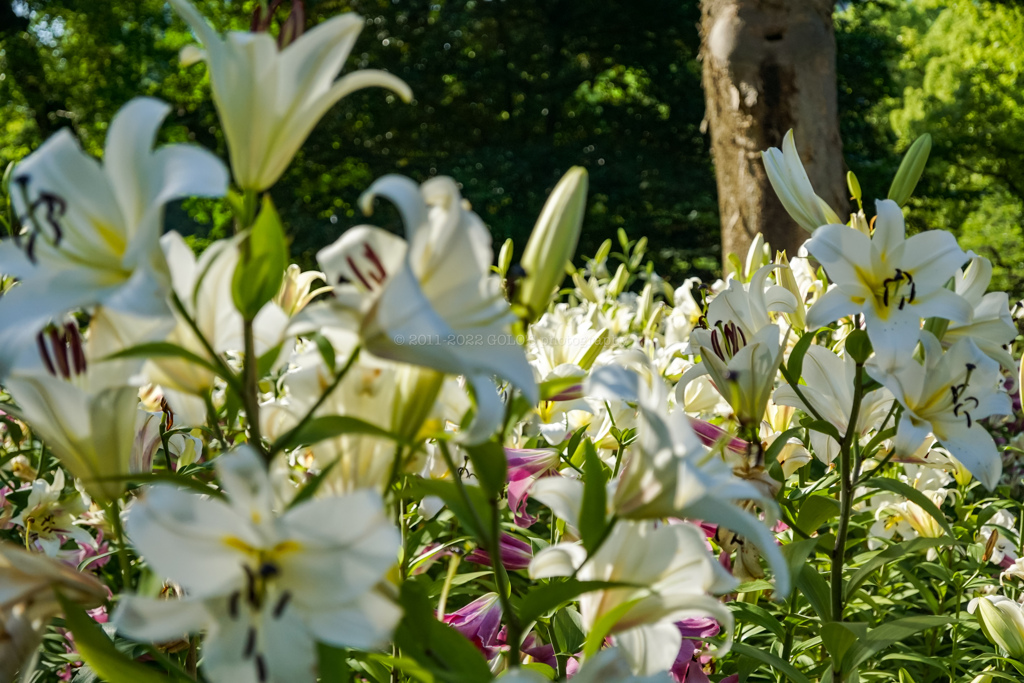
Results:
<point x="251" y="391"/>
<point x="165" y="442"/>
<point x="114" y="512"/>
<point x="490" y="541"/>
<point x="282" y="442"/>
<point x="845" y="504"/>
<point x="226" y="373"/>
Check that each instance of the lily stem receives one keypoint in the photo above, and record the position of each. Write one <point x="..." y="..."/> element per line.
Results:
<point x="114" y="512"/>
<point x="251" y="391"/>
<point x="283" y="442"/>
<point x="845" y="505"/>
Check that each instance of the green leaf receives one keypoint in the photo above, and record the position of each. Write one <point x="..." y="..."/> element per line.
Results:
<point x="261" y="263"/>
<point x="266" y="362"/>
<point x="913" y="495"/>
<point x="792" y="674"/>
<point x="815" y="510"/>
<point x="759" y="616"/>
<point x="823" y="427"/>
<point x="166" y="350"/>
<point x="885" y="635"/>
<point x="168" y="478"/>
<point x="816" y="590"/>
<point x="838" y="638"/>
<point x="543" y="599"/>
<point x="891" y="553"/>
<point x="332" y="426"/>
<point x="490" y="466"/>
<point x="307" y="491"/>
<point x="604" y="625"/>
<point x="332" y="664"/>
<point x="593" y="522"/>
<point x="434" y="645"/>
<point x="568" y="628"/>
<point x="98" y="651"/>
<point x="795" y="366"/>
<point x="476" y="516"/>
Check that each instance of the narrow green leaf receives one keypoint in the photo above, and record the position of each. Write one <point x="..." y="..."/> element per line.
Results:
<point x="791" y="672"/>
<point x="166" y="350"/>
<point x="913" y="495"/>
<point x="816" y="590"/>
<point x="476" y="516"/>
<point x="891" y="553"/>
<point x="885" y="635"/>
<point x="542" y="599"/>
<point x="593" y="522"/>
<point x="815" y="510"/>
<point x="752" y="614"/>
<point x="332" y="426"/>
<point x="490" y="466"/>
<point x="99" y="652"/>
<point x="795" y="366"/>
<point x="310" y="489"/>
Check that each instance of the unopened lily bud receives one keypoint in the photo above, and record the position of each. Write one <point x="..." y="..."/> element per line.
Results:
<point x="1002" y="621"/>
<point x="854" y="185"/>
<point x="646" y="302"/>
<point x="553" y="242"/>
<point x="784" y="276"/>
<point x="603" y="251"/>
<point x="618" y="282"/>
<point x="584" y="288"/>
<point x="505" y="257"/>
<point x="910" y="170"/>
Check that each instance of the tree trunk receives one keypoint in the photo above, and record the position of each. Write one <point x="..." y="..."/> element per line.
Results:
<point x="768" y="66"/>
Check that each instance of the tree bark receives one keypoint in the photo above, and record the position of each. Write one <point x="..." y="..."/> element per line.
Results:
<point x="768" y="66"/>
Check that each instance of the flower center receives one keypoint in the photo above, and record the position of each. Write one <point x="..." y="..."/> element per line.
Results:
<point x="899" y="290"/>
<point x="372" y="273"/>
<point x="727" y="339"/>
<point x="52" y="206"/>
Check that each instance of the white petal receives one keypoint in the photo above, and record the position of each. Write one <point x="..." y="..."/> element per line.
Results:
<point x="650" y="648"/>
<point x="159" y="621"/>
<point x="562" y="559"/>
<point x="563" y="495"/>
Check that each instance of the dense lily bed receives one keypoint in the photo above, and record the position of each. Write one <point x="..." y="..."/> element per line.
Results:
<point x="417" y="465"/>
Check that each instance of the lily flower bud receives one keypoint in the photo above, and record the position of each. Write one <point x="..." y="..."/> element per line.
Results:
<point x="553" y="242"/>
<point x="910" y="170"/>
<point x="1002" y="621"/>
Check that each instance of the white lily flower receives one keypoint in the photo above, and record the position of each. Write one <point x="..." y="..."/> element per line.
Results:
<point x="431" y="300"/>
<point x="946" y="396"/>
<point x="269" y="100"/>
<point x="829" y="390"/>
<point x="29" y="583"/>
<point x="788" y="177"/>
<point x="674" y="574"/>
<point x="368" y="392"/>
<point x="750" y="306"/>
<point x="743" y="369"/>
<point x="610" y="665"/>
<point x="84" y="413"/>
<point x="991" y="325"/>
<point x="94" y="230"/>
<point x="1002" y="621"/>
<point x="265" y="587"/>
<point x="892" y="280"/>
<point x="49" y="516"/>
<point x="667" y="473"/>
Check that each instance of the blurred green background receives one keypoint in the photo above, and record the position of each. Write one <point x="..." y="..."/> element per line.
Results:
<point x="510" y="93"/>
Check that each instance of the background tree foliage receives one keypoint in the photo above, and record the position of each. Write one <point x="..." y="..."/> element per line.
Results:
<point x="510" y="94"/>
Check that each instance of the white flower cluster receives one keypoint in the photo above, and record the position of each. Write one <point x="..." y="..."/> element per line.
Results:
<point x="344" y="437"/>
